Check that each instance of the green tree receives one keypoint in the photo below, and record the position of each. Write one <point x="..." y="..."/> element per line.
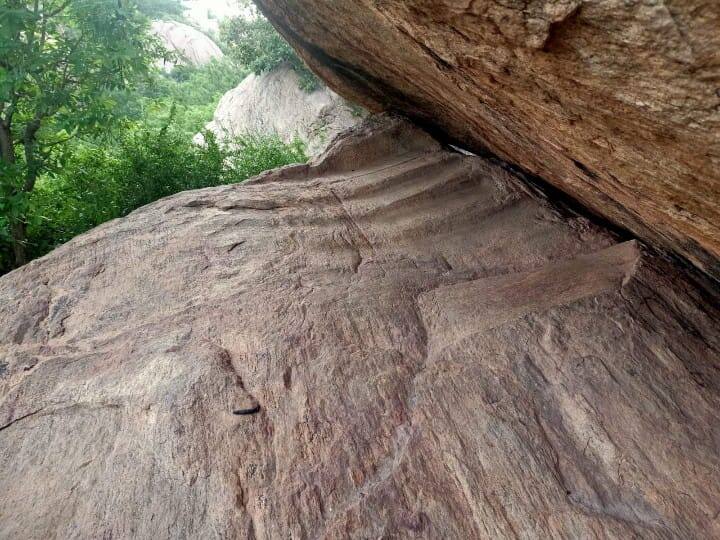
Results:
<point x="256" y="45"/>
<point x="100" y="182"/>
<point x="192" y="92"/>
<point x="59" y="61"/>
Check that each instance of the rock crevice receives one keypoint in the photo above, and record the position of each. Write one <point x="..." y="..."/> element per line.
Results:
<point x="615" y="104"/>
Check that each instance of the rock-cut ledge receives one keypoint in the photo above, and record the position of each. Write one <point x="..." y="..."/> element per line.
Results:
<point x="616" y="103"/>
<point x="396" y="341"/>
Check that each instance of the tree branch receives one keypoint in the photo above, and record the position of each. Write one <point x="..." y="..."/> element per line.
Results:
<point x="7" y="148"/>
<point x="31" y="159"/>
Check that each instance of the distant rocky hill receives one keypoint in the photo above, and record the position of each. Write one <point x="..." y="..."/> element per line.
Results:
<point x="190" y="45"/>
<point x="275" y="102"/>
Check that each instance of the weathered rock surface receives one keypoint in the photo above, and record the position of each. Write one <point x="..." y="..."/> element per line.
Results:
<point x="275" y="103"/>
<point x="615" y="102"/>
<point x="435" y="353"/>
<point x="190" y="45"/>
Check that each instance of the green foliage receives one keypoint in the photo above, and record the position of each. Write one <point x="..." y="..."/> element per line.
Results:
<point x="59" y="59"/>
<point x="102" y="182"/>
<point x="191" y="93"/>
<point x="90" y="131"/>
<point x="251" y="154"/>
<point x="255" y="43"/>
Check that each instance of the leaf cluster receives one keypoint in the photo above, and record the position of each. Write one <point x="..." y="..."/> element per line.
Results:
<point x="100" y="182"/>
<point x="60" y="59"/>
<point x="254" y="43"/>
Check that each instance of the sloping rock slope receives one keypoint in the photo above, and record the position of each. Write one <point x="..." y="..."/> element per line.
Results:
<point x="275" y="103"/>
<point x="615" y="102"/>
<point x="396" y="341"/>
<point x="190" y="45"/>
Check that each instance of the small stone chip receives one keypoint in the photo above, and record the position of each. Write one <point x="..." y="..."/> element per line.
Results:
<point x="251" y="410"/>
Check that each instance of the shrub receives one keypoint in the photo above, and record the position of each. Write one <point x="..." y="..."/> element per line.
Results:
<point x="102" y="181"/>
<point x="250" y="155"/>
<point x="190" y="93"/>
<point x="255" y="44"/>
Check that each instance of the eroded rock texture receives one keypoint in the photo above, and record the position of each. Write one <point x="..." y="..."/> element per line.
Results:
<point x="434" y="352"/>
<point x="615" y="102"/>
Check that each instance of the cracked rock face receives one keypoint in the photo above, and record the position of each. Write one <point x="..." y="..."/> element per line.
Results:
<point x="616" y="103"/>
<point x="395" y="341"/>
